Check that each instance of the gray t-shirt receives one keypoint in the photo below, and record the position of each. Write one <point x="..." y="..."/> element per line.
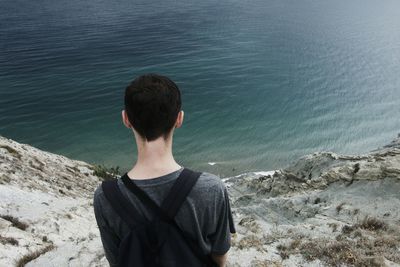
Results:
<point x="205" y="214"/>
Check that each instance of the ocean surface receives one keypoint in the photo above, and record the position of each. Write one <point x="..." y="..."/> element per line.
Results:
<point x="263" y="81"/>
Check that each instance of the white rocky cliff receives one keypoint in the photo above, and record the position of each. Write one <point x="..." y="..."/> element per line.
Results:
<point x="325" y="210"/>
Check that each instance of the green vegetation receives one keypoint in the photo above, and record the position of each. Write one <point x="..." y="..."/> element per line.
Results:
<point x="105" y="173"/>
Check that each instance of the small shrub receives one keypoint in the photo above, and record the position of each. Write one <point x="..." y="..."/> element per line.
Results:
<point x="356" y="168"/>
<point x="334" y="226"/>
<point x="295" y="243"/>
<point x="373" y="224"/>
<point x="356" y="211"/>
<point x="281" y="247"/>
<point x="284" y="255"/>
<point x="283" y="251"/>
<point x="340" y="207"/>
<point x="347" y="229"/>
<point x="15" y="222"/>
<point x="317" y="200"/>
<point x="105" y="173"/>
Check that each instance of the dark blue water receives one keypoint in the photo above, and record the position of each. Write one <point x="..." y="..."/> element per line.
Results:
<point x="263" y="81"/>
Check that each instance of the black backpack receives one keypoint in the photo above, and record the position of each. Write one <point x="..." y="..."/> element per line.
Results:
<point x="159" y="242"/>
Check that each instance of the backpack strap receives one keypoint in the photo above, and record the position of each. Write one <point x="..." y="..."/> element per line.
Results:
<point x="179" y="191"/>
<point x="120" y="204"/>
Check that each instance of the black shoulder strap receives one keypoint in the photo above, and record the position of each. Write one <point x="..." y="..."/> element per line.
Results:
<point x="179" y="191"/>
<point x="120" y="204"/>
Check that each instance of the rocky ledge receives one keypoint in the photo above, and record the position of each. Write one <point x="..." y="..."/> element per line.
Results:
<point x="324" y="210"/>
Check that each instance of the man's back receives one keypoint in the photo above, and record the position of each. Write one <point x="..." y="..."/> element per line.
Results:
<point x="205" y="214"/>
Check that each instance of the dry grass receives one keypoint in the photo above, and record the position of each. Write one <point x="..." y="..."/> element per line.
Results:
<point x="8" y="240"/>
<point x="250" y="241"/>
<point x="372" y="224"/>
<point x="368" y="223"/>
<point x="295" y="244"/>
<point x="284" y="251"/>
<point x="345" y="252"/>
<point x="365" y="243"/>
<point x="15" y="222"/>
<point x="334" y="226"/>
<point x="251" y="224"/>
<point x="347" y="229"/>
<point x="33" y="255"/>
<point x="340" y="207"/>
<point x="334" y="253"/>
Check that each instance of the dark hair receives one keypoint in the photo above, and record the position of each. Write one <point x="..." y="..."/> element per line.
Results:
<point x="152" y="103"/>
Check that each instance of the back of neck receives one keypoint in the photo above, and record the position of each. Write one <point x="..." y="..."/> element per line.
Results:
<point x="154" y="159"/>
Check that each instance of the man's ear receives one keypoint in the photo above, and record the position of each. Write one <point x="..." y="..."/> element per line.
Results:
<point x="125" y="119"/>
<point x="179" y="119"/>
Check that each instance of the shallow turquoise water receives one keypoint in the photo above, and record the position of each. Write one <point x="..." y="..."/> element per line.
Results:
<point x="263" y="82"/>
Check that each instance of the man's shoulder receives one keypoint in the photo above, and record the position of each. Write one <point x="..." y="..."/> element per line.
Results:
<point x="209" y="183"/>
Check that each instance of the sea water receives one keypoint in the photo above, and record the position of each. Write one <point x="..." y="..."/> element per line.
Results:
<point x="263" y="81"/>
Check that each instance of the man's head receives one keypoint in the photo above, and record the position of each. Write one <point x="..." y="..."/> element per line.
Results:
<point x="152" y="107"/>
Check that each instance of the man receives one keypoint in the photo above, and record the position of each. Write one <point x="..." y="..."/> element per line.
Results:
<point x="153" y="111"/>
